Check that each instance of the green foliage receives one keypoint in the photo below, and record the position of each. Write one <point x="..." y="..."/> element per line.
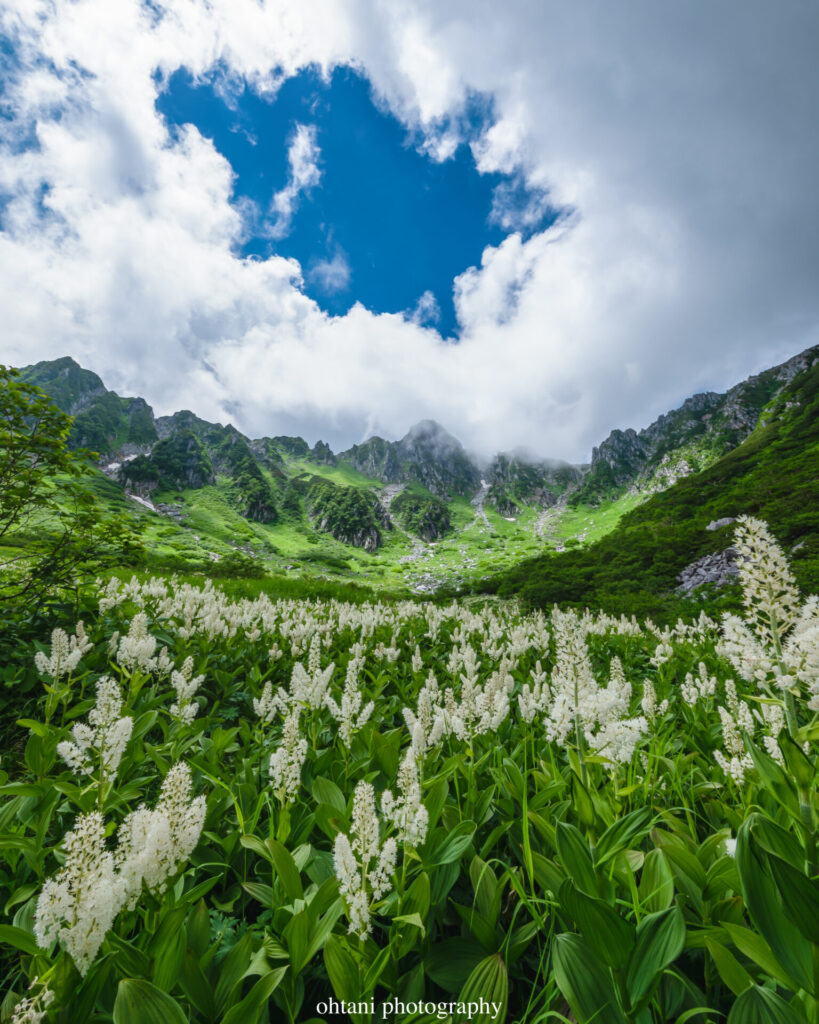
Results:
<point x="427" y="517"/>
<point x="51" y="537"/>
<point x="180" y="460"/>
<point x="349" y="514"/>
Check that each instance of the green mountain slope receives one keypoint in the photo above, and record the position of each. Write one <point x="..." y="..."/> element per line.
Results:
<point x="773" y="474"/>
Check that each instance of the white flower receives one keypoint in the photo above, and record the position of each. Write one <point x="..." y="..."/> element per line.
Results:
<point x="407" y="812"/>
<point x="186" y="685"/>
<point x="106" y="736"/>
<point x="286" y="762"/>
<point x="350" y="714"/>
<point x="78" y="906"/>
<point x="66" y="653"/>
<point x="363" y="866"/>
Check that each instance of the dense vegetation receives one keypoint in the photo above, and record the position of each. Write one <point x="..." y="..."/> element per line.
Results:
<point x="774" y="474"/>
<point x="180" y="460"/>
<point x="349" y="514"/>
<point x="232" y="811"/>
<point x="425" y="516"/>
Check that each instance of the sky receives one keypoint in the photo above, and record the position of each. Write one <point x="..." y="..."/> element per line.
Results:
<point x="532" y="222"/>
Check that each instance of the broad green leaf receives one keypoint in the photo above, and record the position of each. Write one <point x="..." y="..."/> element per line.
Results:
<point x="260" y="892"/>
<point x="342" y="969"/>
<point x="286" y="870"/>
<point x="250" y="1008"/>
<point x="450" y="962"/>
<point x="774" y="779"/>
<point x="25" y="941"/>
<point x="168" y="960"/>
<point x="586" y="985"/>
<point x="656" y="882"/>
<point x="452" y="844"/>
<point x="608" y="935"/>
<point x="758" y="950"/>
<point x="297" y="937"/>
<point x="575" y="856"/>
<point x="488" y="982"/>
<point x="730" y="969"/>
<point x="619" y="835"/>
<point x="140" y="1002"/>
<point x="799" y="895"/>
<point x="796" y="761"/>
<point x="199" y="929"/>
<point x="765" y="910"/>
<point x="325" y="791"/>
<point x="660" y="940"/>
<point x="232" y="971"/>
<point x="762" y="1006"/>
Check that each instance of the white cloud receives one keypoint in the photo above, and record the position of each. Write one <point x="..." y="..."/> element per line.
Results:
<point x="332" y="275"/>
<point x="303" y="174"/>
<point x="426" y="311"/>
<point x="680" y="137"/>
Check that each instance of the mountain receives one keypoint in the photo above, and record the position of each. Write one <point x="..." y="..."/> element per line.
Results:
<point x="427" y="454"/>
<point x="686" y="440"/>
<point x="422" y="509"/>
<point x="641" y="566"/>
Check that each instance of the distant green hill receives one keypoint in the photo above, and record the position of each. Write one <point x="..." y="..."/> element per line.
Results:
<point x="773" y="474"/>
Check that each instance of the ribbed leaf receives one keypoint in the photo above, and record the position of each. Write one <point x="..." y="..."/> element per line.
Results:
<point x="759" y="893"/>
<point x="619" y="835"/>
<point x="799" y="895"/>
<point x="762" y="1006"/>
<point x="250" y="1008"/>
<point x="140" y="1002"/>
<point x="586" y="985"/>
<point x="574" y="854"/>
<point x="656" y="882"/>
<point x="611" y="937"/>
<point x="730" y="969"/>
<point x="660" y="940"/>
<point x="490" y="983"/>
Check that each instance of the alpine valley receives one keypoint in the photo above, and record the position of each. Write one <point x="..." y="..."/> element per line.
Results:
<point x="644" y="521"/>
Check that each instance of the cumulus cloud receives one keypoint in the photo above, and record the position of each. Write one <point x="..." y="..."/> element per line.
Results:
<point x="303" y="174"/>
<point x="679" y="139"/>
<point x="427" y="310"/>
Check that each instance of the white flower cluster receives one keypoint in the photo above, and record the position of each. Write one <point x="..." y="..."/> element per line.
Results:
<point x="269" y="703"/>
<point x="186" y="684"/>
<point x="136" y="649"/>
<point x="700" y="688"/>
<point x="406" y="812"/>
<point x="350" y="714"/>
<point x="152" y="844"/>
<point x="308" y="687"/>
<point x="363" y="865"/>
<point x="102" y="742"/>
<point x="78" y="906"/>
<point x="427" y="724"/>
<point x="534" y="701"/>
<point x="33" y="1009"/>
<point x="287" y="760"/>
<point x="66" y="652"/>
<point x="651" y="709"/>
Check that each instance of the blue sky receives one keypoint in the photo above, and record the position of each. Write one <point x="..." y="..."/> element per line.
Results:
<point x="385" y="223"/>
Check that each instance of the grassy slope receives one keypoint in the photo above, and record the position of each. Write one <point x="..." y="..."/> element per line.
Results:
<point x="774" y="475"/>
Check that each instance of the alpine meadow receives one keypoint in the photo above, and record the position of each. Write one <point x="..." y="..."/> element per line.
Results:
<point x="409" y="512"/>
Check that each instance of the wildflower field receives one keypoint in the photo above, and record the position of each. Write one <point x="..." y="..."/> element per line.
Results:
<point x="239" y="810"/>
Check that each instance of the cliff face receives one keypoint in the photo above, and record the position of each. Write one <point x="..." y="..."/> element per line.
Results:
<point x="686" y="440"/>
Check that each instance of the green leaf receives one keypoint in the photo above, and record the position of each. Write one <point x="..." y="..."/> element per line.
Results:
<point x="250" y="1008"/>
<point x="489" y="983"/>
<point x="140" y="1002"/>
<point x="765" y="910"/>
<point x="286" y="870"/>
<point x="325" y="791"/>
<point x="199" y="929"/>
<point x="660" y="940"/>
<point x="762" y="1006"/>
<point x="608" y="934"/>
<point x="656" y="882"/>
<point x="799" y="895"/>
<point x="619" y="835"/>
<point x="261" y="892"/>
<point x="233" y="969"/>
<point x="450" y="962"/>
<point x="586" y="985"/>
<point x="758" y="950"/>
<point x="774" y="779"/>
<point x="796" y="761"/>
<point x="730" y="970"/>
<point x="575" y="856"/>
<point x="452" y="844"/>
<point x="168" y="960"/>
<point x="342" y="969"/>
<point x="25" y="941"/>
